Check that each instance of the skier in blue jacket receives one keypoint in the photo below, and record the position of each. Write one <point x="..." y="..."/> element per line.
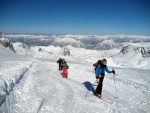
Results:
<point x="100" y="73"/>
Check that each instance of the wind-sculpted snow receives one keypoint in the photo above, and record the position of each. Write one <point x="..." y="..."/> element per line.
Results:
<point x="10" y="76"/>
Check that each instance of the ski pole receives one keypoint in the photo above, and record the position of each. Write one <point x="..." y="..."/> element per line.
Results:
<point x="57" y="68"/>
<point x="89" y="90"/>
<point x="93" y="70"/>
<point x="114" y="74"/>
<point x="115" y="87"/>
<point x="59" y="71"/>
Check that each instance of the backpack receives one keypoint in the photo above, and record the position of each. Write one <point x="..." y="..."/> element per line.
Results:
<point x="97" y="63"/>
<point x="64" y="65"/>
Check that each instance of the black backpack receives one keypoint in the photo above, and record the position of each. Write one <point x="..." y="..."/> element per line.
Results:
<point x="97" y="63"/>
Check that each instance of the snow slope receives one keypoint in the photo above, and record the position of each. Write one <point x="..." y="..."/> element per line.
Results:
<point x="32" y="84"/>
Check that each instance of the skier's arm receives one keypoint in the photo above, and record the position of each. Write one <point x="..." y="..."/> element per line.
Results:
<point x="57" y="61"/>
<point x="107" y="70"/>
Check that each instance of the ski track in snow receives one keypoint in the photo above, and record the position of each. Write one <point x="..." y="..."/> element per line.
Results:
<point x="135" y="94"/>
<point x="55" y="94"/>
<point x="41" y="89"/>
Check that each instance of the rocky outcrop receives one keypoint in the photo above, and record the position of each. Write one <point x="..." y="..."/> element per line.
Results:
<point x="5" y="42"/>
<point x="65" y="51"/>
<point x="128" y="48"/>
<point x="144" y="51"/>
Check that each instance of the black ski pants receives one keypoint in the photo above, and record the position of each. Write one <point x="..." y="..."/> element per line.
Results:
<point x="100" y="85"/>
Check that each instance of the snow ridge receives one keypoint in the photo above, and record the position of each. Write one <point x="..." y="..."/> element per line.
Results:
<point x="8" y="85"/>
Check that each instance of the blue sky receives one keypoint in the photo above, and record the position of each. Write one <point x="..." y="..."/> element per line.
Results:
<point x="92" y="17"/>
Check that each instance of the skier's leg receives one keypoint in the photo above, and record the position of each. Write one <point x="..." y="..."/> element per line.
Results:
<point x="63" y="72"/>
<point x="66" y="72"/>
<point x="59" y="67"/>
<point x="99" y="86"/>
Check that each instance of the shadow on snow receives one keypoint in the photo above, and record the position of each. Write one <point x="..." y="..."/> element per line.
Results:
<point x="89" y="86"/>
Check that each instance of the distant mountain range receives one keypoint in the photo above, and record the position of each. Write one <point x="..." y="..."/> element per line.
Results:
<point x="85" y="41"/>
<point x="96" y="42"/>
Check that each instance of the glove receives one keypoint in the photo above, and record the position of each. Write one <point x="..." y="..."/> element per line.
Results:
<point x="97" y="80"/>
<point x="99" y="75"/>
<point x="113" y="71"/>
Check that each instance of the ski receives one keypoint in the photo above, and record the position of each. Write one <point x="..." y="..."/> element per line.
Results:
<point x="96" y="95"/>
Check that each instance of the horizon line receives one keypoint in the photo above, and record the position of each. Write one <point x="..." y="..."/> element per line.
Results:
<point x="71" y="34"/>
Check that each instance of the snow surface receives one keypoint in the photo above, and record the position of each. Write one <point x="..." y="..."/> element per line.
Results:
<point x="31" y="83"/>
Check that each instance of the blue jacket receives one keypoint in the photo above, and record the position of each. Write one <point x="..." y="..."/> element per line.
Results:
<point x="99" y="70"/>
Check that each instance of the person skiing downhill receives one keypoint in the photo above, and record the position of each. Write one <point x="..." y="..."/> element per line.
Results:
<point x="64" y="66"/>
<point x="60" y="61"/>
<point x="100" y="73"/>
